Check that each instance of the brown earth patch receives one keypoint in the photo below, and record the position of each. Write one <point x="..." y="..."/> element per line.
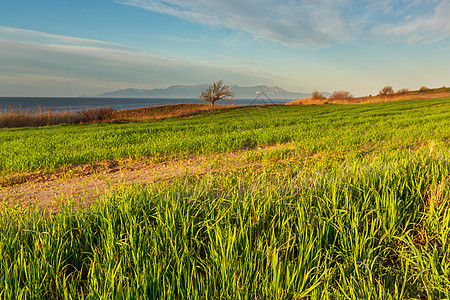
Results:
<point x="83" y="184"/>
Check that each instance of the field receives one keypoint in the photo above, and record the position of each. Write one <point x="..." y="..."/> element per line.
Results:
<point x="348" y="202"/>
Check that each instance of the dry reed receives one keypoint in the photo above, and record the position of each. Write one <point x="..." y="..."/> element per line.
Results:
<point x="13" y="117"/>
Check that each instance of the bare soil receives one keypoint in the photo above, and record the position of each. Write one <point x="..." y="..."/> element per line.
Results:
<point x="84" y="184"/>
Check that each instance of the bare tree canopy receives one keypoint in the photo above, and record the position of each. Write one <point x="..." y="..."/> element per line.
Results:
<point x="341" y="95"/>
<point x="387" y="91"/>
<point x="317" y="96"/>
<point x="217" y="91"/>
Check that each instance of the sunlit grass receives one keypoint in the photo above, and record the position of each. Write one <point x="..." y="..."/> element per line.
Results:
<point x="355" y="204"/>
<point x="374" y="230"/>
<point x="340" y="130"/>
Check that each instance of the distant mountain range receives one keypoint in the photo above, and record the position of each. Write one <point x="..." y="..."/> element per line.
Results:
<point x="193" y="91"/>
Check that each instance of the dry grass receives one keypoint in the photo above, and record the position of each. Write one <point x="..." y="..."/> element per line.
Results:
<point x="16" y="117"/>
<point x="401" y="95"/>
<point x="167" y="111"/>
<point x="309" y="101"/>
<point x="13" y="117"/>
<point x="424" y="89"/>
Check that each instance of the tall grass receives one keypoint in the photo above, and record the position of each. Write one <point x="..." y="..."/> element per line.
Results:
<point x="13" y="117"/>
<point x="375" y="230"/>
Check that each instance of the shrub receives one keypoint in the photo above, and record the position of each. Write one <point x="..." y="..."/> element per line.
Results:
<point x="96" y="114"/>
<point x="402" y="92"/>
<point x="341" y="95"/>
<point x="423" y="89"/>
<point x="387" y="91"/>
<point x="317" y="96"/>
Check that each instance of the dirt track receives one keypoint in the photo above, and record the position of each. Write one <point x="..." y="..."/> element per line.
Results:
<point x="47" y="191"/>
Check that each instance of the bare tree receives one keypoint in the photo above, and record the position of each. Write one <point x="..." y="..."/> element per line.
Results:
<point x="217" y="91"/>
<point x="341" y="95"/>
<point x="387" y="91"/>
<point x="317" y="96"/>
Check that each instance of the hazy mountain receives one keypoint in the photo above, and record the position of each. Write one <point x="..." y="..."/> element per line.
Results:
<point x="193" y="91"/>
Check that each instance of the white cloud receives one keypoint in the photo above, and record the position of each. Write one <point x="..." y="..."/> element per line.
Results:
<point x="314" y="22"/>
<point x="18" y="34"/>
<point x="422" y="29"/>
<point x="290" y="22"/>
<point x="90" y="66"/>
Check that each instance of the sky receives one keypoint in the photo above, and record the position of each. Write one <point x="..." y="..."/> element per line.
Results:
<point x="69" y="48"/>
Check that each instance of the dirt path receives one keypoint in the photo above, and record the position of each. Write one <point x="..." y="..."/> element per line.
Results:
<point x="49" y="191"/>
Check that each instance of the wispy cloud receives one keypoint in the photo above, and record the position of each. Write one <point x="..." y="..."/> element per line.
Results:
<point x="285" y="21"/>
<point x="430" y="27"/>
<point x="239" y="60"/>
<point x="314" y="22"/>
<point x="30" y="56"/>
<point x="19" y="34"/>
<point x="179" y="39"/>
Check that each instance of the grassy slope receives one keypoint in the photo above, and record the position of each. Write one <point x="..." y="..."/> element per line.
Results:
<point x="341" y="130"/>
<point x="373" y="226"/>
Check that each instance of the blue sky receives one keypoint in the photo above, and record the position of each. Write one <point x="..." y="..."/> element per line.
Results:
<point x="87" y="47"/>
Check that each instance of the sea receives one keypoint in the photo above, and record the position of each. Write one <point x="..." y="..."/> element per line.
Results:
<point x="76" y="104"/>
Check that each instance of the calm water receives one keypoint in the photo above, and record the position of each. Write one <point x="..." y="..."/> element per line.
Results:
<point x="75" y="104"/>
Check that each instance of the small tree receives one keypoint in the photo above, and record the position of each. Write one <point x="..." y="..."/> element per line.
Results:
<point x="387" y="91"/>
<point x="217" y="91"/>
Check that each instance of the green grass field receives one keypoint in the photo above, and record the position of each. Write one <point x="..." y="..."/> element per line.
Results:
<point x="344" y="130"/>
<point x="359" y="208"/>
